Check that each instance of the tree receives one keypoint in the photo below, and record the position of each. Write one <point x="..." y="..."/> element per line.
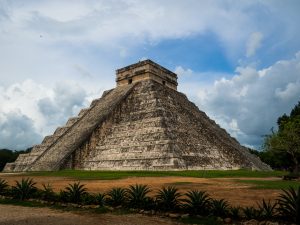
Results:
<point x="286" y="141"/>
<point x="7" y="155"/>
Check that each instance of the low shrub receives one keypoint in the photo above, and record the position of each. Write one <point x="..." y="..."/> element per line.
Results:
<point x="137" y="196"/>
<point x="267" y="209"/>
<point x="235" y="212"/>
<point x="116" y="197"/>
<point x="3" y="186"/>
<point x="197" y="202"/>
<point x="167" y="199"/>
<point x="75" y="192"/>
<point x="24" y="189"/>
<point x="251" y="213"/>
<point x="289" y="204"/>
<point x="219" y="207"/>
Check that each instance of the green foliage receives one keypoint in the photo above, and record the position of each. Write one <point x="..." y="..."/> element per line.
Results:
<point x="251" y="213"/>
<point x="3" y="186"/>
<point x="234" y="212"/>
<point x="88" y="199"/>
<point x="112" y="175"/>
<point x="197" y="202"/>
<point x="167" y="198"/>
<point x="47" y="193"/>
<point x="267" y="209"/>
<point x="284" y="145"/>
<point x="219" y="207"/>
<point x="7" y="155"/>
<point x="289" y="204"/>
<point x="137" y="195"/>
<point x="116" y="197"/>
<point x="63" y="196"/>
<point x="100" y="199"/>
<point x="24" y="189"/>
<point x="75" y="192"/>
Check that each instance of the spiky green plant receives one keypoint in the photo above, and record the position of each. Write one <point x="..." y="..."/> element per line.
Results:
<point x="167" y="198"/>
<point x="251" y="213"/>
<point x="100" y="199"/>
<point x="63" y="196"/>
<point x="24" y="189"/>
<point x="289" y="204"/>
<point x="47" y="193"/>
<point x="219" y="207"/>
<point x="137" y="195"/>
<point x="197" y="202"/>
<point x="88" y="199"/>
<point x="75" y="192"/>
<point x="267" y="209"/>
<point x="3" y="186"/>
<point x="234" y="212"/>
<point x="117" y="197"/>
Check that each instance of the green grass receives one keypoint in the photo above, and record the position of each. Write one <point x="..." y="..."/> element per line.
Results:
<point x="271" y="184"/>
<point x="112" y="175"/>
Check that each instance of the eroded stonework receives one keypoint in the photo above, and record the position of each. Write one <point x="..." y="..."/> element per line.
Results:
<point x="144" y="125"/>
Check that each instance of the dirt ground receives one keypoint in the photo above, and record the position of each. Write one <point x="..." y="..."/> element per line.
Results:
<point x="236" y="193"/>
<point x="18" y="215"/>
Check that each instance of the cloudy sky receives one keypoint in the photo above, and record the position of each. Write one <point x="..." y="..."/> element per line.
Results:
<point x="239" y="61"/>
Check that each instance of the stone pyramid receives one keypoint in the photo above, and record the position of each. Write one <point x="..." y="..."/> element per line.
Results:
<point x="142" y="124"/>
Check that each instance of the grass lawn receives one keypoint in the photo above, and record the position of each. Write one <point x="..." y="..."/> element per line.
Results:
<point x="111" y="175"/>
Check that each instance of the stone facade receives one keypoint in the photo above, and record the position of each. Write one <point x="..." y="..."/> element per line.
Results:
<point x="143" y="125"/>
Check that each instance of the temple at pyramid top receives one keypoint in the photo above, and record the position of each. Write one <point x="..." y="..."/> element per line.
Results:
<point x="146" y="70"/>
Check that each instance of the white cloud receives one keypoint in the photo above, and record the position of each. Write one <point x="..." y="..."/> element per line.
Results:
<point x="249" y="103"/>
<point x="253" y="43"/>
<point x="179" y="70"/>
<point x="29" y="110"/>
<point x="48" y="42"/>
<point x="17" y="131"/>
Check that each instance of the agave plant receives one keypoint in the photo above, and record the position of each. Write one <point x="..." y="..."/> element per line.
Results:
<point x="197" y="202"/>
<point x="3" y="186"/>
<point x="137" y="195"/>
<point x="167" y="198"/>
<point x="24" y="189"/>
<point x="289" y="204"/>
<point x="100" y="199"/>
<point x="63" y="196"/>
<point x="267" y="209"/>
<point x="234" y="212"/>
<point x="47" y="193"/>
<point x="88" y="199"/>
<point x="251" y="213"/>
<point x="220" y="207"/>
<point x="116" y="197"/>
<point x="75" y="192"/>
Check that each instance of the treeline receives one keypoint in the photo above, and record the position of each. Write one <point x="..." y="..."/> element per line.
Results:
<point x="7" y="155"/>
<point x="281" y="148"/>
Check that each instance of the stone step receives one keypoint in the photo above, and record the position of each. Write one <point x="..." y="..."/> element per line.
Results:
<point x="83" y="112"/>
<point x="60" y="131"/>
<point x="72" y="121"/>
